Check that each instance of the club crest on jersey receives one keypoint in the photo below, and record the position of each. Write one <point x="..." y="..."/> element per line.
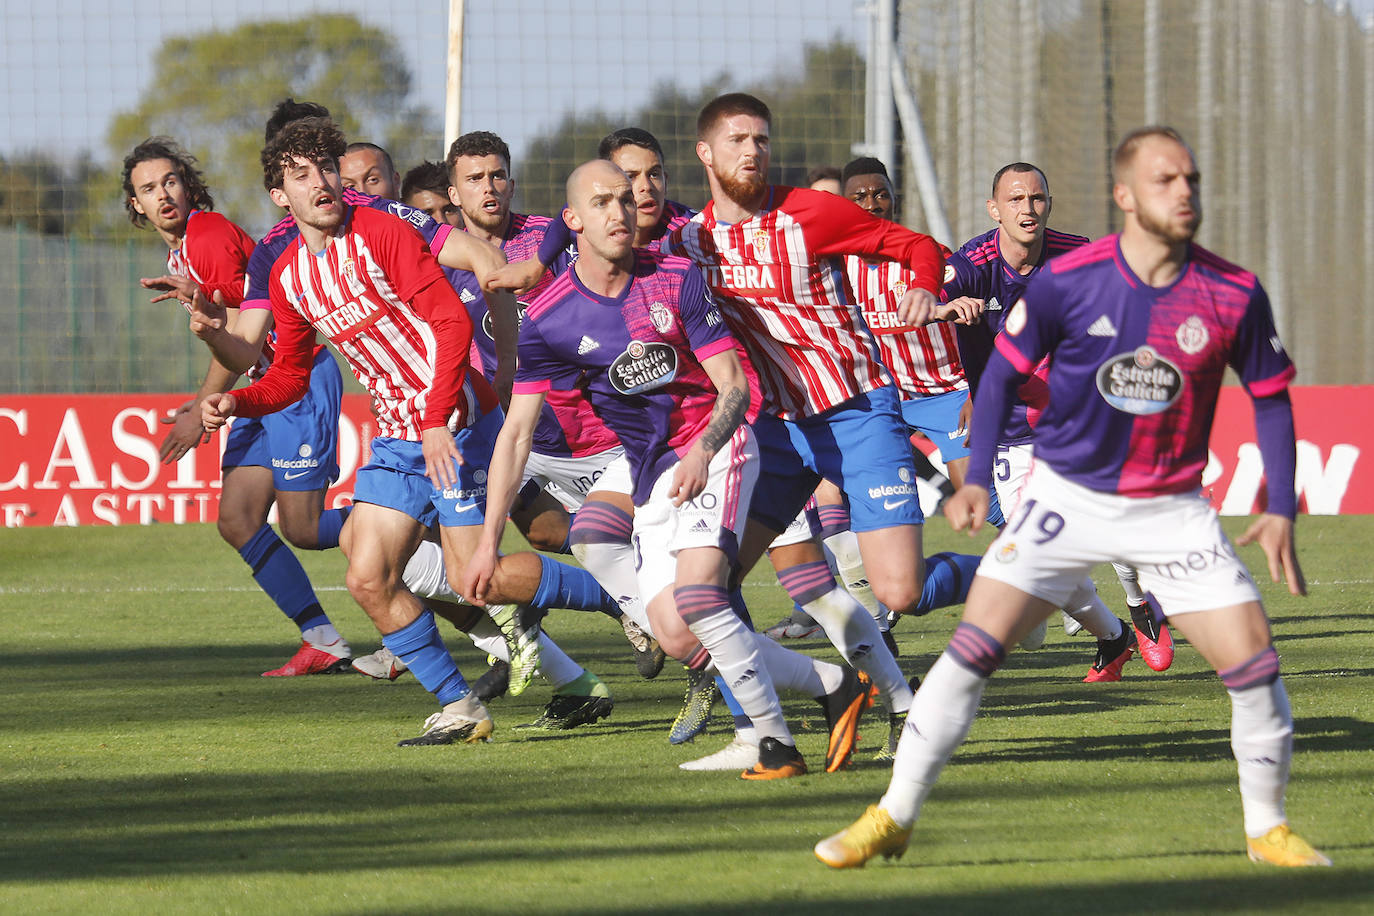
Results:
<point x="1192" y="335"/>
<point x="349" y="270"/>
<point x="643" y="367"/>
<point x="1006" y="553"/>
<point x="899" y="288"/>
<point x="1140" y="382"/>
<point x="760" y="242"/>
<point x="949" y="273"/>
<point x="661" y="317"/>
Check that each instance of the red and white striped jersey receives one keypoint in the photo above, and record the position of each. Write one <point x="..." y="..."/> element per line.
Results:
<point x="780" y="280"/>
<point x="378" y="295"/>
<point x="924" y="361"/>
<point x="214" y="252"/>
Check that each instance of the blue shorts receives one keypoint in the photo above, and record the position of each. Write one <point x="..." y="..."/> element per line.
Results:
<point x="937" y="417"/>
<point x="861" y="446"/>
<point x="395" y="477"/>
<point x="300" y="443"/>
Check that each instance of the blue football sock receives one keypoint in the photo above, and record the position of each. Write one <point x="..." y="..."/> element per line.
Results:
<point x="280" y="574"/>
<point x="331" y="523"/>
<point x="740" y="608"/>
<point x="561" y="585"/>
<point x="948" y="577"/>
<point x="420" y="646"/>
<point x="736" y="710"/>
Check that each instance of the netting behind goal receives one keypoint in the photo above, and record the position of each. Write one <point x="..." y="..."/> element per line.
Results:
<point x="1276" y="98"/>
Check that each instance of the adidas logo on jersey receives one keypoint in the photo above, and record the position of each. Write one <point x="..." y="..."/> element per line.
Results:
<point x="466" y="295"/>
<point x="701" y="527"/>
<point x="1102" y="327"/>
<point x="586" y="345"/>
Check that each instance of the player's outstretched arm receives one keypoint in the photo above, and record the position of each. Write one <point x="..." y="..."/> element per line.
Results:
<point x="1273" y="531"/>
<point x="507" y="467"/>
<point x="216" y="410"/>
<point x="517" y="278"/>
<point x="1275" y="535"/>
<point x="462" y="251"/>
<point x="505" y="330"/>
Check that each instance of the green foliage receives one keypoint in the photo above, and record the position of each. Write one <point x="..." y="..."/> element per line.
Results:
<point x="817" y="115"/>
<point x="214" y="91"/>
<point x="145" y="767"/>
<point x="40" y="194"/>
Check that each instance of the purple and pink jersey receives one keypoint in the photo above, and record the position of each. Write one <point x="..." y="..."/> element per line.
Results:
<point x="568" y="428"/>
<point x="978" y="270"/>
<point x="636" y="358"/>
<point x="1136" y="369"/>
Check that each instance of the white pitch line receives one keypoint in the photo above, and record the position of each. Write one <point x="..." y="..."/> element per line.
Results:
<point x="231" y="589"/>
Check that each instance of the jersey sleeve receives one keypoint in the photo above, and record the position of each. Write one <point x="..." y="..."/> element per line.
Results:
<point x="218" y="257"/>
<point x="431" y="230"/>
<point x="288" y="378"/>
<point x="706" y="331"/>
<point x="1031" y="328"/>
<point x="407" y="263"/>
<point x="835" y="226"/>
<point x="1258" y="355"/>
<point x="539" y="367"/>
<point x="259" y="275"/>
<point x="558" y="240"/>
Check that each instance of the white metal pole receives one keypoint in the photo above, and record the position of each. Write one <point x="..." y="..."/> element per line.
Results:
<point x="1152" y="93"/>
<point x="453" y="96"/>
<point x="1206" y="90"/>
<point x="918" y="155"/>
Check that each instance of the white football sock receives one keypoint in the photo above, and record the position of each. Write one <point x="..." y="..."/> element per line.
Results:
<point x="940" y="718"/>
<point x="856" y="634"/>
<point x="842" y="550"/>
<point x="732" y="649"/>
<point x="613" y="567"/>
<point x="1087" y="608"/>
<point x="1130" y="583"/>
<point x="1262" y="740"/>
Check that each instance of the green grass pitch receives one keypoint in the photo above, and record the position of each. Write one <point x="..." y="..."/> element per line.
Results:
<point x="146" y="768"/>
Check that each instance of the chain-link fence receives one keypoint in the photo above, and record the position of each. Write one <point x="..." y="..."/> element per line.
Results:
<point x="1277" y="97"/>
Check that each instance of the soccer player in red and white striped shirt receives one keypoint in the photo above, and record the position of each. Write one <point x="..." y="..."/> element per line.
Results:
<point x="773" y="256"/>
<point x="366" y="281"/>
<point x="262" y="462"/>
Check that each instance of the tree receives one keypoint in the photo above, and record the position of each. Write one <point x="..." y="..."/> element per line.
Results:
<point x="39" y="194"/>
<point x="817" y="116"/>
<point x="213" y="92"/>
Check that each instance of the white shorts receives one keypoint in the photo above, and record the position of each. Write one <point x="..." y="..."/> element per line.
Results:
<point x="569" y="480"/>
<point x="805" y="527"/>
<point x="715" y="518"/>
<point x="616" y="478"/>
<point x="1009" y="472"/>
<point x="1062" y="530"/>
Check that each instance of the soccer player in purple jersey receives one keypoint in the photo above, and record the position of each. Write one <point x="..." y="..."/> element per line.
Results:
<point x="1141" y="327"/>
<point x="984" y="276"/>
<point x="368" y="169"/>
<point x="571" y="452"/>
<point x="425" y="187"/>
<point x="640" y="335"/>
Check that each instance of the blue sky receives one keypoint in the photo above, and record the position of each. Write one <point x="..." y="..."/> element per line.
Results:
<point x="68" y="65"/>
